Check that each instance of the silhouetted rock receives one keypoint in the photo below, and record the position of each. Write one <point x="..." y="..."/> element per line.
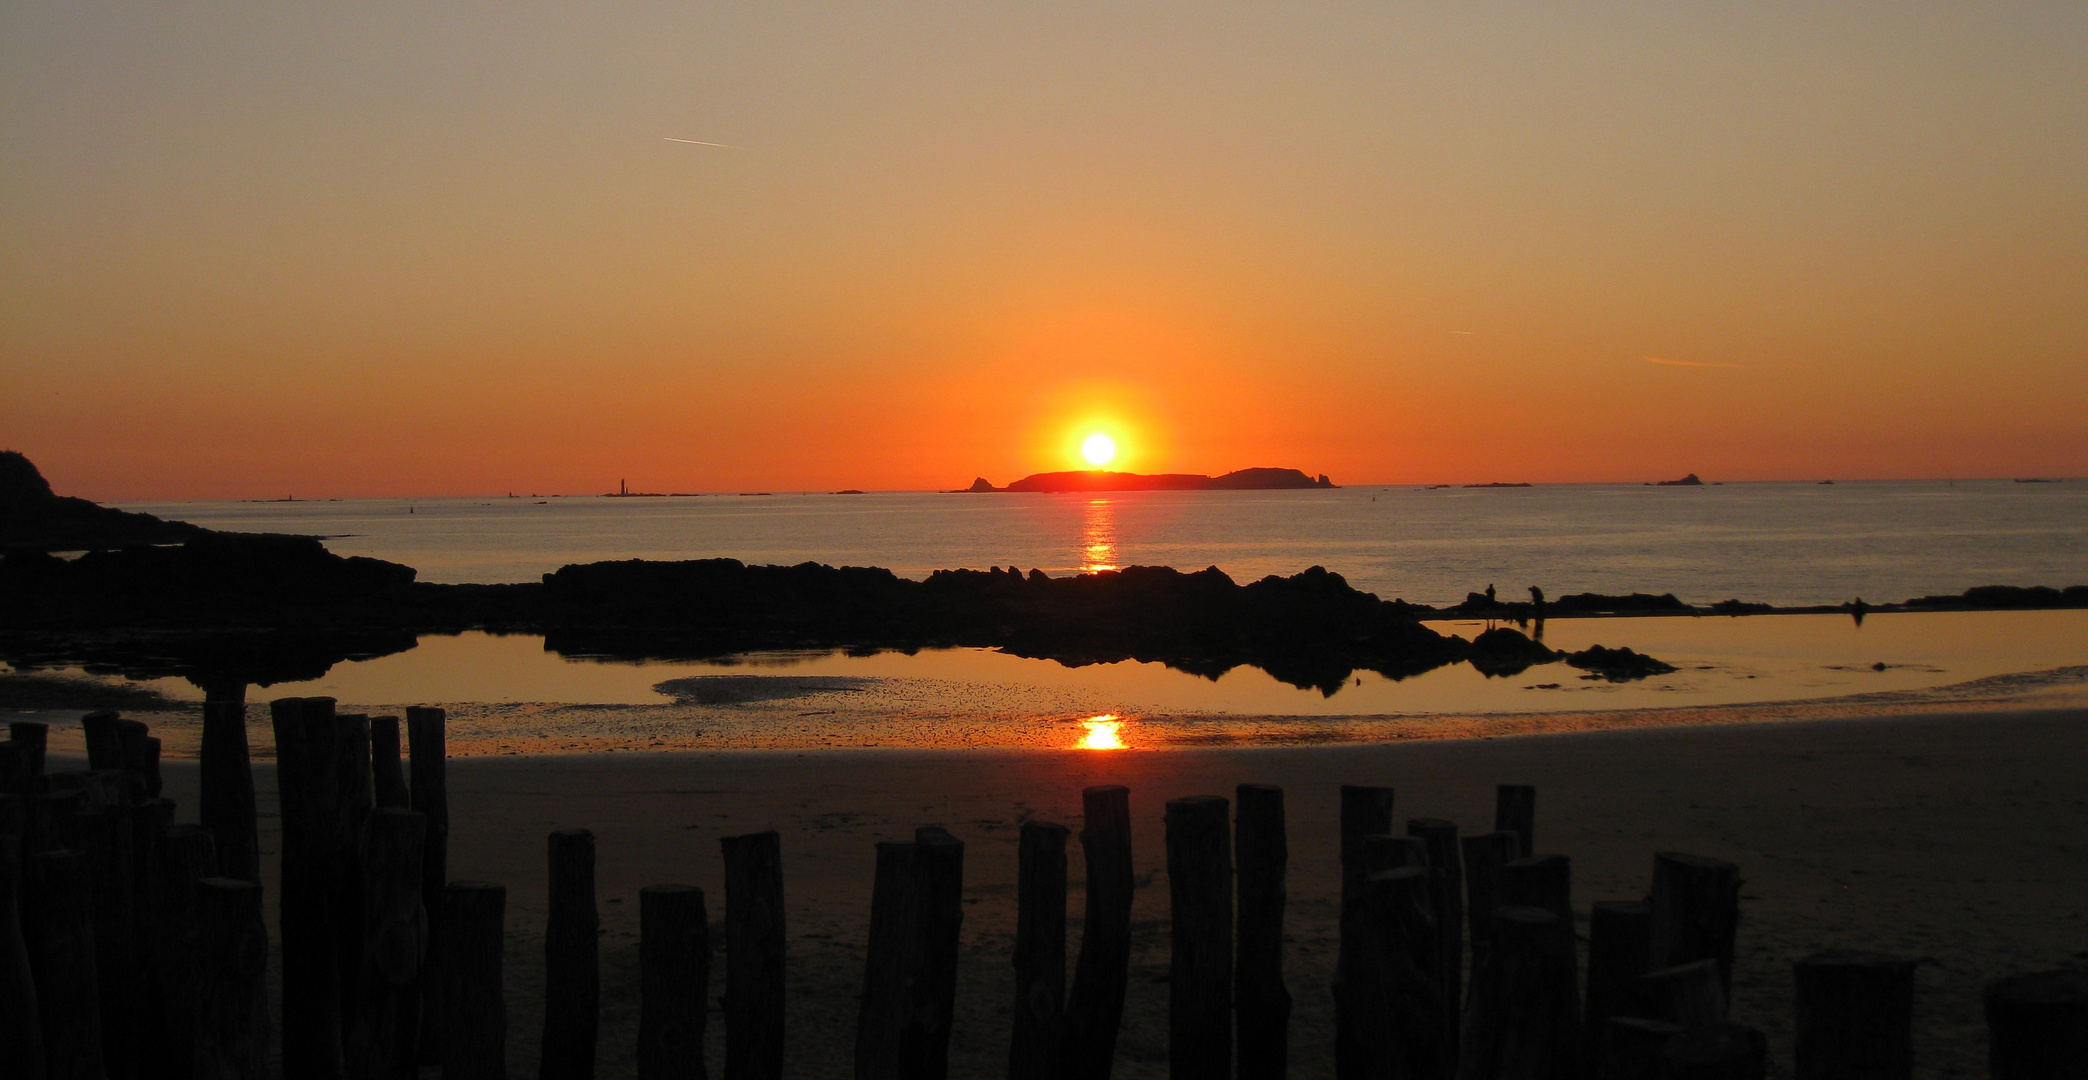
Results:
<point x="33" y="518"/>
<point x="1497" y="484"/>
<point x="1260" y="479"/>
<point x="2008" y="597"/>
<point x="1691" y="480"/>
<point x="1617" y="665"/>
<point x="1634" y="603"/>
<point x="980" y="483"/>
<point x="1741" y="607"/>
<point x="1502" y="652"/>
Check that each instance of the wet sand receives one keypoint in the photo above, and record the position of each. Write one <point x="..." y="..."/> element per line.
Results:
<point x="1958" y="837"/>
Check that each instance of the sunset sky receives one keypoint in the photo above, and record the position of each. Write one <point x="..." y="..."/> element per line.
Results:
<point x="248" y="249"/>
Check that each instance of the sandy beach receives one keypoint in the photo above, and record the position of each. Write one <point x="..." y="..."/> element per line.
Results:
<point x="1955" y="837"/>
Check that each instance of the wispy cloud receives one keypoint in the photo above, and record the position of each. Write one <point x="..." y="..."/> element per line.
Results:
<point x="1664" y="361"/>
<point x="700" y="142"/>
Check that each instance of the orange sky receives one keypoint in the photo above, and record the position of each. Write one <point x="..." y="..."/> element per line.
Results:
<point x="391" y="249"/>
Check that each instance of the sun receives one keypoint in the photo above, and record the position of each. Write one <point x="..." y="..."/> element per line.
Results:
<point x="1099" y="449"/>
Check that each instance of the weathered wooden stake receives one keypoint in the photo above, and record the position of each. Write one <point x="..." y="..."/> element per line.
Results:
<point x="147" y="822"/>
<point x="1365" y="812"/>
<point x="384" y="1041"/>
<point x="1446" y="886"/>
<point x="21" y="1021"/>
<point x="896" y="901"/>
<point x="104" y="745"/>
<point x="1040" y="951"/>
<point x="1616" y="958"/>
<point x="428" y="746"/>
<point x="1525" y="1009"/>
<point x="226" y="774"/>
<point x="2037" y="1025"/>
<point x="105" y="836"/>
<point x="1389" y="852"/>
<point x="572" y="973"/>
<point x="1484" y="856"/>
<point x="187" y="856"/>
<point x="1696" y="911"/>
<point x="1515" y="810"/>
<point x="387" y="770"/>
<point x="1635" y="1048"/>
<point x="473" y="1003"/>
<point x="140" y="754"/>
<point x="1718" y="1051"/>
<point x="673" y="979"/>
<point x="306" y="782"/>
<point x="30" y="738"/>
<point x="355" y="797"/>
<point x="1200" y="967"/>
<point x="1095" y="1005"/>
<point x="1687" y="995"/>
<point x="1261" y="855"/>
<point x="232" y="1012"/>
<point x="1407" y="1004"/>
<point x="924" y="1044"/>
<point x="60" y="937"/>
<point x="754" y="956"/>
<point x="1855" y="1013"/>
<point x="1544" y="881"/>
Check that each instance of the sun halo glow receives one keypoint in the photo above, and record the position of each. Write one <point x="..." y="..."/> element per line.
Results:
<point x="1099" y="449"/>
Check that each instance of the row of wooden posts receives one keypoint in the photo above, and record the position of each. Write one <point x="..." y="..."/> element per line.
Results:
<point x="135" y="949"/>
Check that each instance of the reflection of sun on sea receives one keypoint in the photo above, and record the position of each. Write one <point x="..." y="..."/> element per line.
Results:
<point x="1104" y="732"/>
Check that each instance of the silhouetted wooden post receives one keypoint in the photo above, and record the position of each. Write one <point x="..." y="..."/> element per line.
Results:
<point x="1525" y="1010"/>
<point x="1515" y="810"/>
<point x="1635" y="1048"/>
<point x="147" y="822"/>
<point x="1040" y="951"/>
<point x="386" y="768"/>
<point x="572" y="973"/>
<point x="1616" y="958"/>
<point x="1095" y="1005"/>
<point x="1387" y="851"/>
<point x="1855" y="1016"/>
<point x="2037" y="1025"/>
<point x="355" y="797"/>
<point x="673" y="979"/>
<point x="1262" y="1004"/>
<point x="140" y="753"/>
<point x="232" y="1011"/>
<point x="105" y="836"/>
<point x="1365" y="812"/>
<point x="754" y="956"/>
<point x="1696" y="911"/>
<point x="226" y="774"/>
<point x="384" y="1041"/>
<point x="104" y="745"/>
<point x="1446" y="886"/>
<point x="924" y="1044"/>
<point x="61" y="952"/>
<point x="30" y="738"/>
<point x="473" y="1002"/>
<point x="1688" y="995"/>
<point x="428" y="746"/>
<point x="187" y="855"/>
<point x="1200" y="966"/>
<point x="896" y="900"/>
<point x="1718" y="1052"/>
<point x="1544" y="881"/>
<point x="306" y="782"/>
<point x="21" y="1021"/>
<point x="1484" y="856"/>
<point x="1407" y="1007"/>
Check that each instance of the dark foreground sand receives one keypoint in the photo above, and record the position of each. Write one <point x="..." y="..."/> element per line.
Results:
<point x="1960" y="838"/>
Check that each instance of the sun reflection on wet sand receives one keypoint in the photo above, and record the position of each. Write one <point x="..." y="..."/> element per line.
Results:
<point x="1104" y="732"/>
<point x="1098" y="537"/>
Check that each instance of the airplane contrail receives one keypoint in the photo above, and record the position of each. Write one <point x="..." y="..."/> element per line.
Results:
<point x="700" y="142"/>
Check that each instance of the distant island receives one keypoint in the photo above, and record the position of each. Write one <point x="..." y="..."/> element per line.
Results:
<point x="1692" y="480"/>
<point x="1101" y="480"/>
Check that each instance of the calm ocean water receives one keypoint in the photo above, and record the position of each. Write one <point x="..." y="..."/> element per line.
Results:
<point x="1771" y="542"/>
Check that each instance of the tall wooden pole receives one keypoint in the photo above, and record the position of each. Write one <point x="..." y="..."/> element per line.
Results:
<point x="428" y="746"/>
<point x="572" y="972"/>
<point x="1484" y="856"/>
<point x="754" y="956"/>
<point x="387" y="769"/>
<point x="1544" y="881"/>
<point x="924" y="1047"/>
<point x="1617" y="941"/>
<point x="1446" y="889"/>
<point x="21" y="1020"/>
<point x="355" y="798"/>
<point x="61" y="952"/>
<point x="1261" y="854"/>
<point x="1515" y="810"/>
<point x="384" y="1041"/>
<point x="1855" y="1016"/>
<point x="470" y="993"/>
<point x="1095" y="1005"/>
<point x="889" y="958"/>
<point x="1695" y="912"/>
<point x="306" y="783"/>
<point x="1040" y="952"/>
<point x="1200" y="968"/>
<point x="673" y="979"/>
<point x="187" y="855"/>
<point x="232" y="1013"/>
<point x="225" y="772"/>
<point x="1365" y="812"/>
<point x="1525" y="1019"/>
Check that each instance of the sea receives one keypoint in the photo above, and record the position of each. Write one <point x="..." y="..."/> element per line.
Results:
<point x="1788" y="544"/>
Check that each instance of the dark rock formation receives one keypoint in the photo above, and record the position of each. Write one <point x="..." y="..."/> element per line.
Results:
<point x="1633" y="604"/>
<point x="1497" y="484"/>
<point x="1741" y="607"/>
<point x="1692" y="480"/>
<point x="1502" y="652"/>
<point x="1100" y="480"/>
<point x="33" y="518"/>
<point x="1617" y="665"/>
<point x="213" y="580"/>
<point x="2007" y="597"/>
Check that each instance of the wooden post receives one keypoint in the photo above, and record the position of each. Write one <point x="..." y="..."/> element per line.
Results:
<point x="1855" y="1013"/>
<point x="572" y="973"/>
<point x="1040" y="951"/>
<point x="1446" y="886"/>
<point x="232" y="1012"/>
<point x="1389" y="852"/>
<point x="1687" y="995"/>
<point x="896" y="901"/>
<point x="1365" y="812"/>
<point x="227" y="778"/>
<point x="673" y="979"/>
<point x="1407" y="1001"/>
<point x="186" y="857"/>
<point x="1616" y="958"/>
<point x="1696" y="911"/>
<point x="1200" y="968"/>
<point x="1635" y="1048"/>
<point x="1095" y="1005"/>
<point x="384" y="1041"/>
<point x="1261" y="855"/>
<point x="386" y="768"/>
<point x="1484" y="856"/>
<point x="1719" y="1051"/>
<point x="1525" y="1018"/>
<point x="1515" y="810"/>
<point x="428" y="747"/>
<point x="355" y="797"/>
<point x="148" y="822"/>
<point x="1544" y="881"/>
<point x="2037" y="1025"/>
<point x="924" y="1044"/>
<point x="754" y="956"/>
<point x="306" y="782"/>
<point x="140" y="754"/>
<point x="104" y="745"/>
<point x="474" y="1006"/>
<point x="21" y="1021"/>
<point x="105" y="836"/>
<point x="61" y="952"/>
<point x="30" y="738"/>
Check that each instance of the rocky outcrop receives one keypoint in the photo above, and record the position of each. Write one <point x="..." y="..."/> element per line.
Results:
<point x="1617" y="665"/>
<point x="1258" y="479"/>
<point x="33" y="518"/>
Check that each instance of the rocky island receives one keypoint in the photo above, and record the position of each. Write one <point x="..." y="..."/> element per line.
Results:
<point x="1262" y="479"/>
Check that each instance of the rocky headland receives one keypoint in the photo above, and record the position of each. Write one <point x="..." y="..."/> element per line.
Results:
<point x="1259" y="479"/>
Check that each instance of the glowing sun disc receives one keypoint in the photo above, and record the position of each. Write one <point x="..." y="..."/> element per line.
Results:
<point x="1098" y="449"/>
<point x="1104" y="732"/>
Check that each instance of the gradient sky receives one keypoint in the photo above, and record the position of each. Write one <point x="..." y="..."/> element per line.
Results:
<point x="250" y="249"/>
